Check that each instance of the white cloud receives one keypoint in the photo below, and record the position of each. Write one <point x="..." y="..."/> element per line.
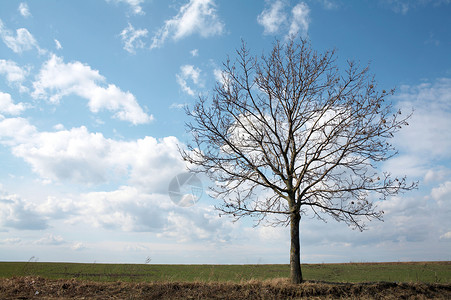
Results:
<point x="273" y="17"/>
<point x="424" y="151"/>
<point x="11" y="241"/>
<point x="135" y="5"/>
<point x="78" y="246"/>
<point x="12" y="71"/>
<point x="132" y="38"/>
<point x="329" y="4"/>
<point x="57" y="79"/>
<point x="270" y="233"/>
<point x="24" y="10"/>
<point x="188" y="72"/>
<point x="437" y="174"/>
<point x="148" y="166"/>
<point x="427" y="135"/>
<point x="22" y="41"/>
<point x="220" y="76"/>
<point x="15" y="75"/>
<point x="446" y="235"/>
<point x="57" y="208"/>
<point x="184" y="86"/>
<point x="178" y="105"/>
<point x="300" y="19"/>
<point x="153" y="162"/>
<point x="59" y="126"/>
<point x="403" y="6"/>
<point x="7" y="105"/>
<point x="197" y="16"/>
<point x="19" y="214"/>
<point x="442" y="195"/>
<point x="411" y="166"/>
<point x="14" y="131"/>
<point x="194" y="52"/>
<point x="64" y="79"/>
<point x="74" y="155"/>
<point x="424" y="144"/>
<point x="51" y="239"/>
<point x="199" y="224"/>
<point x="126" y="209"/>
<point x="77" y="155"/>
<point x="58" y="44"/>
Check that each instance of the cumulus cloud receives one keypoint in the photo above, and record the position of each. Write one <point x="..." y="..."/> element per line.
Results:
<point x="424" y="144"/>
<point x="197" y="16"/>
<point x="19" y="214"/>
<point x="132" y="38"/>
<point x="22" y="41"/>
<point x="77" y="155"/>
<point x="57" y="79"/>
<point x="188" y="73"/>
<point x="14" y="131"/>
<point x="7" y="105"/>
<point x="300" y="19"/>
<point x="426" y="136"/>
<point x="147" y="165"/>
<point x="196" y="225"/>
<point x="24" y="10"/>
<point x="12" y="71"/>
<point x="276" y="18"/>
<point x="135" y="5"/>
<point x="126" y="209"/>
<point x="442" y="195"/>
<point x="424" y="151"/>
<point x="14" y="74"/>
<point x="153" y="162"/>
<point x="272" y="17"/>
<point x="74" y="155"/>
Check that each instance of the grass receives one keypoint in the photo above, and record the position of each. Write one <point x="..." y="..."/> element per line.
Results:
<point x="426" y="272"/>
<point x="27" y="287"/>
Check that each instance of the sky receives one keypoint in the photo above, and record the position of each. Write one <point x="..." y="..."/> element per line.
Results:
<point x="91" y="119"/>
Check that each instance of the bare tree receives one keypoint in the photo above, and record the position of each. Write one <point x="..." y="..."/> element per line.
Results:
<point x="287" y="133"/>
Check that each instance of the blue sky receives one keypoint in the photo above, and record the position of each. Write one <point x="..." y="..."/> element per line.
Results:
<point x="91" y="96"/>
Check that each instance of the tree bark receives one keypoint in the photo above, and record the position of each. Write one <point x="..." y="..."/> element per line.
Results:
<point x="295" y="251"/>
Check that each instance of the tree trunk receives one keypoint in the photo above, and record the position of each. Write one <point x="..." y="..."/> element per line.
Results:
<point x="295" y="251"/>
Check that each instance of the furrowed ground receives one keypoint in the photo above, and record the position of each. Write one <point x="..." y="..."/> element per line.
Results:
<point x="32" y="280"/>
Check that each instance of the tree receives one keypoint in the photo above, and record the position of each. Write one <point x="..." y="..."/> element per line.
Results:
<point x="287" y="133"/>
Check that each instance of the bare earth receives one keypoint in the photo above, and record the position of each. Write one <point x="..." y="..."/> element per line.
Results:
<point x="40" y="288"/>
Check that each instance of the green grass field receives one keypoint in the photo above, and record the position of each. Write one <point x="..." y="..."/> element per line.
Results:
<point x="427" y="272"/>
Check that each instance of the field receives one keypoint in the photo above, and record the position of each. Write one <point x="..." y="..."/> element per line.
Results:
<point x="426" y="272"/>
<point x="28" y="280"/>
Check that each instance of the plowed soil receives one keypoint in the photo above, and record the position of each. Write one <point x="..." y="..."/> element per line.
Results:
<point x="40" y="288"/>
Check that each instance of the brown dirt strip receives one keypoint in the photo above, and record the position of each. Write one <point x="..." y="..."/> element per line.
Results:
<point x="40" y="288"/>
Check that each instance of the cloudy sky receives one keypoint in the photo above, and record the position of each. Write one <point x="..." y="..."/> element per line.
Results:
<point x="91" y="98"/>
